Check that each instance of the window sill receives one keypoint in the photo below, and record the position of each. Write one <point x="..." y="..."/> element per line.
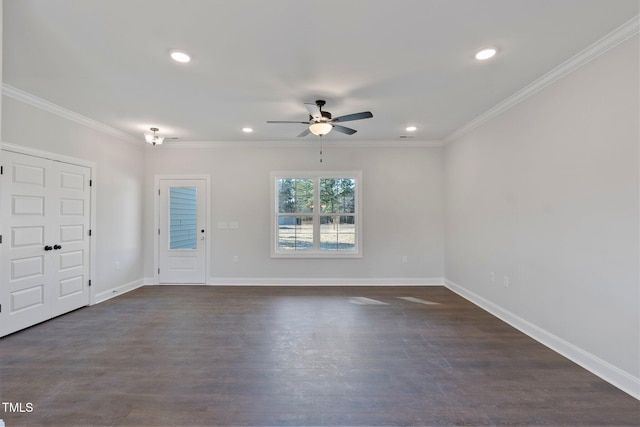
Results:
<point x="312" y="254"/>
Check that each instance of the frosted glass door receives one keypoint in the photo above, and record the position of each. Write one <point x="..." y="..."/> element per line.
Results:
<point x="182" y="232"/>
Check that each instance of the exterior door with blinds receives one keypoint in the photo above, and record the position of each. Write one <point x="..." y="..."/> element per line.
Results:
<point x="45" y="253"/>
<point x="182" y="231"/>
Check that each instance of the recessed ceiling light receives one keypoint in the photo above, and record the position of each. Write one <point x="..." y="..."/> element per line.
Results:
<point x="411" y="128"/>
<point x="485" y="54"/>
<point x="180" y="56"/>
<point x="247" y="130"/>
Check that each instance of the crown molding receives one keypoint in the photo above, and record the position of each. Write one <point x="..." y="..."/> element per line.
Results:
<point x="50" y="107"/>
<point x="614" y="38"/>
<point x="298" y="144"/>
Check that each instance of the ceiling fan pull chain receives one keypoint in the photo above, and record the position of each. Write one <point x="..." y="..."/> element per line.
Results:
<point x="320" y="149"/>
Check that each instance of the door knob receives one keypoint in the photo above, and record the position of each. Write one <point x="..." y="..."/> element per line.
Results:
<point x="56" y="247"/>
<point x="47" y="248"/>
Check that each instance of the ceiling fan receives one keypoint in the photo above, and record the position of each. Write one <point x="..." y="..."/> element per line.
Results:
<point x="321" y="123"/>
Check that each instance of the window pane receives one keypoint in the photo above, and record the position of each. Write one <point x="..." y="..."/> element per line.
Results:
<point x="295" y="233"/>
<point x="337" y="233"/>
<point x="295" y="195"/>
<point x="337" y="195"/>
<point x="314" y="214"/>
<point x="182" y="218"/>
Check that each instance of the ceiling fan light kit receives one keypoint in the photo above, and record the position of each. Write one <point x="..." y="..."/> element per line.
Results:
<point x="321" y="122"/>
<point x="320" y="128"/>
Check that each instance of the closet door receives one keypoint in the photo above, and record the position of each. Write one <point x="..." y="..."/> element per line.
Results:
<point x="44" y="206"/>
<point x="70" y="269"/>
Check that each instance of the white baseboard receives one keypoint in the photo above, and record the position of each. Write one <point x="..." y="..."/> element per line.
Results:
<point x="608" y="372"/>
<point x="330" y="281"/>
<point x="118" y="290"/>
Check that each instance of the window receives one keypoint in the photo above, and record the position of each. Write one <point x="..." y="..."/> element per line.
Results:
<point x="316" y="215"/>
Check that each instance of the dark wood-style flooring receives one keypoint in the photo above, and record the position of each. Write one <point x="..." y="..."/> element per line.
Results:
<point x="258" y="356"/>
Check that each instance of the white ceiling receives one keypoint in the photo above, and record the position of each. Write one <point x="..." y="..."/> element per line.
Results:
<point x="409" y="62"/>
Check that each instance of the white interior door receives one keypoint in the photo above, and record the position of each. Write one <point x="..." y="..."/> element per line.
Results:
<point x="182" y="231"/>
<point x="45" y="210"/>
<point x="71" y="253"/>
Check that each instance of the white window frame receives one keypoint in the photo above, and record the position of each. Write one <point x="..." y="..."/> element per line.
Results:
<point x="317" y="175"/>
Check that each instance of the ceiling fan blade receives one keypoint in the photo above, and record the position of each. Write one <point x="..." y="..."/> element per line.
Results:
<point x="285" y="121"/>
<point x="304" y="133"/>
<point x="343" y="129"/>
<point x="314" y="110"/>
<point x="356" y="116"/>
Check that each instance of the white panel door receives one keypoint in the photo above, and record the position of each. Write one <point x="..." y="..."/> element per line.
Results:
<point x="182" y="233"/>
<point x="70" y="268"/>
<point x="25" y="201"/>
<point x="44" y="255"/>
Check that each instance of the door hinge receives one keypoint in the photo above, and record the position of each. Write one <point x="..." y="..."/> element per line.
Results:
<point x="89" y="282"/>
<point x="1" y="170"/>
<point x="158" y="271"/>
<point x="90" y="182"/>
<point x="158" y="231"/>
<point x="89" y="232"/>
<point x="0" y="308"/>
<point x="158" y="192"/>
<point x="0" y="239"/>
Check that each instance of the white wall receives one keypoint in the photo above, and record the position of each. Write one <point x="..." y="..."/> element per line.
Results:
<point x="119" y="183"/>
<point x="402" y="211"/>
<point x="548" y="194"/>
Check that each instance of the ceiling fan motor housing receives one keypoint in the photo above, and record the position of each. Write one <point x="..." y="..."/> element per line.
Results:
<point x="326" y="116"/>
